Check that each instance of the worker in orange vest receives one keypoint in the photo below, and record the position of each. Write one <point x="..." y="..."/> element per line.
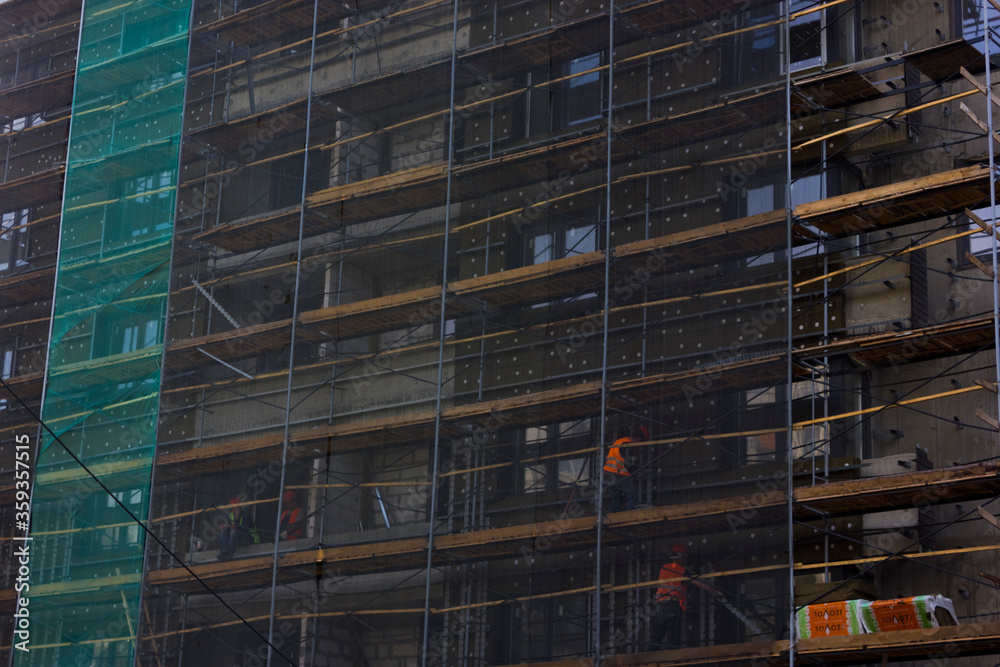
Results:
<point x="621" y="482"/>
<point x="671" y="601"/>
<point x="290" y="527"/>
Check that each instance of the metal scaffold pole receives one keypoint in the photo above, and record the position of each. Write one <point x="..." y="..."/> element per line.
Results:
<point x="606" y="319"/>
<point x="991" y="152"/>
<point x="425" y="652"/>
<point x="291" y="347"/>
<point x="786" y="63"/>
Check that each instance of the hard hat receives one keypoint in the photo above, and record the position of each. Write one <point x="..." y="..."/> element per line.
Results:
<point x="679" y="548"/>
<point x="234" y="501"/>
<point x="288" y="496"/>
<point x="642" y="432"/>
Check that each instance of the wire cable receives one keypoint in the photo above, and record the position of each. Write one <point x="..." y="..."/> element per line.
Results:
<point x="138" y="522"/>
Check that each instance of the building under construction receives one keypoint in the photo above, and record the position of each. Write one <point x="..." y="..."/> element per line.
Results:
<point x="422" y="263"/>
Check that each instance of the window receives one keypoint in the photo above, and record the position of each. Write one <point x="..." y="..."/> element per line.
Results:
<point x="542" y="248"/>
<point x="806" y="37"/>
<point x="120" y="535"/>
<point x="534" y="478"/>
<point x="817" y="37"/>
<point x="821" y="36"/>
<point x="970" y="17"/>
<point x="768" y="194"/>
<point x="22" y="123"/>
<point x="14" y="239"/>
<point x="146" y="209"/>
<point x="7" y="360"/>
<point x="568" y="472"/>
<point x="7" y="353"/>
<point x="124" y="336"/>
<point x="549" y="246"/>
<point x="771" y="196"/>
<point x="580" y="98"/>
<point x="138" y="337"/>
<point x="556" y="473"/>
<point x="162" y="80"/>
<point x="763" y="413"/>
<point x="758" y="52"/>
<point x="761" y="199"/>
<point x="980" y="243"/>
<point x="572" y="472"/>
<point x="156" y="193"/>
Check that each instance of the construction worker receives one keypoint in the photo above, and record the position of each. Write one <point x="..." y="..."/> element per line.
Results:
<point x="621" y="480"/>
<point x="671" y="601"/>
<point x="239" y="531"/>
<point x="291" y="518"/>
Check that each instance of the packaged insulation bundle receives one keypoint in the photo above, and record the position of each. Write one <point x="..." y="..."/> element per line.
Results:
<point x="832" y="619"/>
<point x="919" y="611"/>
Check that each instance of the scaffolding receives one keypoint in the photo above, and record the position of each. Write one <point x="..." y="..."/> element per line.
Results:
<point x="424" y="263"/>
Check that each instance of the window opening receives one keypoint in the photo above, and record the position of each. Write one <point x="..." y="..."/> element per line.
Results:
<point x="582" y="95"/>
<point x="979" y="244"/>
<point x="555" y="474"/>
<point x="7" y="355"/>
<point x="549" y="246"/>
<point x="14" y="239"/>
<point x="770" y="197"/>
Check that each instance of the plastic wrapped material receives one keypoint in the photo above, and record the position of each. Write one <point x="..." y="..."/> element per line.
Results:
<point x="858" y="617"/>
<point x="919" y="611"/>
<point x="106" y="347"/>
<point x="832" y="619"/>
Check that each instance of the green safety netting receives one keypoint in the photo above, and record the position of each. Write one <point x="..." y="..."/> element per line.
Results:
<point x="108" y="331"/>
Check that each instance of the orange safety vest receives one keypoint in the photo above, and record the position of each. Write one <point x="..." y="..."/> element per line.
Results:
<point x="289" y="523"/>
<point x="676" y="590"/>
<point x="616" y="462"/>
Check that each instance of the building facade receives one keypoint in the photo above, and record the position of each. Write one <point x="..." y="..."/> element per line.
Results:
<point x="403" y="273"/>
